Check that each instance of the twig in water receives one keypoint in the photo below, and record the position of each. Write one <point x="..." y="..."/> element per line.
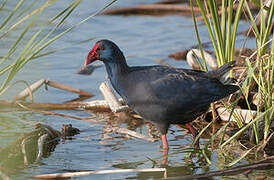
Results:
<point x="68" y="88"/>
<point x="112" y="129"/>
<point x="35" y="86"/>
<point x="96" y="105"/>
<point x="265" y="164"/>
<point x="29" y="90"/>
<point x="111" y="99"/>
<point x="67" y="175"/>
<point x="126" y="131"/>
<point x="41" y="142"/>
<point x="58" y="114"/>
<point x="23" y="146"/>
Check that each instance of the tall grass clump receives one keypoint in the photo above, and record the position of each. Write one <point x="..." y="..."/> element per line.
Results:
<point x="222" y="29"/>
<point x="26" y="17"/>
<point x="222" y="24"/>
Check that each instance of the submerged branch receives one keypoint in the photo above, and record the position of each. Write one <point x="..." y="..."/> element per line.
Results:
<point x="97" y="105"/>
<point x="126" y="131"/>
<point x="29" y="90"/>
<point x="85" y="173"/>
<point x="35" y="86"/>
<point x="152" y="9"/>
<point x="58" y="114"/>
<point x="111" y="99"/>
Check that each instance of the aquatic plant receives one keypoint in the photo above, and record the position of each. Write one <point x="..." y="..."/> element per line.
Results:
<point x="258" y="75"/>
<point x="26" y="18"/>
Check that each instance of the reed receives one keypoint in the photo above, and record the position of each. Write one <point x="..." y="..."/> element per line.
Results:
<point x="223" y="31"/>
<point x="34" y="48"/>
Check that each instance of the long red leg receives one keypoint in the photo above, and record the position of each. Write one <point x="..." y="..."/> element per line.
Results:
<point x="194" y="134"/>
<point x="165" y="144"/>
<point x="165" y="148"/>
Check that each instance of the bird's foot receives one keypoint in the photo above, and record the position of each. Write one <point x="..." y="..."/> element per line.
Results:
<point x="194" y="134"/>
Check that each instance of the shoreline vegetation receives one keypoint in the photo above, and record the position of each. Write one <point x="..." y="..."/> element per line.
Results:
<point x="240" y="126"/>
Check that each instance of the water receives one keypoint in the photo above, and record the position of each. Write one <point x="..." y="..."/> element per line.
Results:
<point x="143" y="39"/>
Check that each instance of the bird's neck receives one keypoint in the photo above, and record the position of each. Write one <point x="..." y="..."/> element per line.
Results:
<point x="116" y="68"/>
<point x="117" y="73"/>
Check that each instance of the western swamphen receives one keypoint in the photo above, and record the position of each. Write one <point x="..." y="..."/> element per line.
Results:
<point x="160" y="94"/>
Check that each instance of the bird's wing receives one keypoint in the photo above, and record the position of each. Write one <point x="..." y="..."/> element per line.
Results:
<point x="186" y="88"/>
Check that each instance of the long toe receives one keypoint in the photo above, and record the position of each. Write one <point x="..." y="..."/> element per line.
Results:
<point x="194" y="133"/>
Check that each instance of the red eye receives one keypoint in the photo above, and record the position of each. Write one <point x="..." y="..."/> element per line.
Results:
<point x="100" y="48"/>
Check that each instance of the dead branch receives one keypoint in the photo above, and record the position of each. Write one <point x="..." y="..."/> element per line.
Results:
<point x="265" y="164"/>
<point x="111" y="99"/>
<point x="26" y="92"/>
<point x="170" y="2"/>
<point x="96" y="105"/>
<point x="68" y="88"/>
<point x="29" y="90"/>
<point x="110" y="129"/>
<point x="235" y="6"/>
<point x="126" y="131"/>
<point x="85" y="173"/>
<point x="153" y="9"/>
<point x="58" y="114"/>
<point x="244" y="114"/>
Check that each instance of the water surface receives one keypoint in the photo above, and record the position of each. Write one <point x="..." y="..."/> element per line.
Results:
<point x="143" y="39"/>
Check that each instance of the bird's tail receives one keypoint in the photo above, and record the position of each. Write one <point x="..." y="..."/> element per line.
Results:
<point x="222" y="73"/>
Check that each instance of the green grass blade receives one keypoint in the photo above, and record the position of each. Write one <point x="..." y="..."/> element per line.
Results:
<point x="3" y="4"/>
<point x="247" y="126"/>
<point x="218" y="32"/>
<point x="68" y="30"/>
<point x="25" y="10"/>
<point x="210" y="30"/>
<point x="37" y="10"/>
<point x="253" y="21"/>
<point x="13" y="47"/>
<point x="228" y="35"/>
<point x="272" y="53"/>
<point x="240" y="158"/>
<point x="60" y="49"/>
<point x="19" y="4"/>
<point x="205" y="156"/>
<point x="5" y="69"/>
<point x="198" y="37"/>
<point x="87" y="40"/>
<point x="201" y="132"/>
<point x="269" y="23"/>
<point x="235" y="26"/>
<point x="18" y="64"/>
<point x="38" y="43"/>
<point x="31" y="51"/>
<point x="75" y="3"/>
<point x="62" y="12"/>
<point x="223" y="19"/>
